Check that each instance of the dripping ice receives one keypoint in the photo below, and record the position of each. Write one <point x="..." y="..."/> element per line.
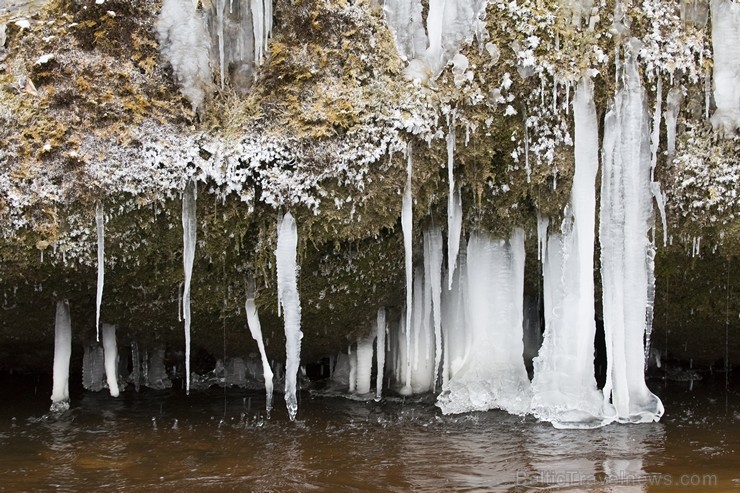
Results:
<point x="255" y="328"/>
<point x="100" y="229"/>
<point x="407" y="227"/>
<point x="288" y="299"/>
<point x="189" y="233"/>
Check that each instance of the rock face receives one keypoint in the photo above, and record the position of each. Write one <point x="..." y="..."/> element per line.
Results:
<point x="310" y="108"/>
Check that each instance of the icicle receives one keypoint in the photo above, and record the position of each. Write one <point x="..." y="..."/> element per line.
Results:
<point x="433" y="266"/>
<point x="408" y="235"/>
<point x="675" y="97"/>
<point x="287" y="280"/>
<point x="110" y="351"/>
<point x="626" y="215"/>
<point x="380" y="327"/>
<point x="364" y="364"/>
<point x="135" y="365"/>
<point x="352" y="370"/>
<point x="527" y="168"/>
<point x="655" y="134"/>
<point x="189" y="237"/>
<point x="100" y="227"/>
<point x="454" y="207"/>
<point x="62" y="355"/>
<point x="255" y="328"/>
<point x="258" y="29"/>
<point x="564" y="388"/>
<point x="422" y="366"/>
<point x="179" y="302"/>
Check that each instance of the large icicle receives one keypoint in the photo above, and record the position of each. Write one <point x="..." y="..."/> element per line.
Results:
<point x="100" y="228"/>
<point x="287" y="280"/>
<point x="364" y="355"/>
<point x="433" y="272"/>
<point x="380" y="353"/>
<point x="564" y="388"/>
<point x="62" y="354"/>
<point x="726" y="65"/>
<point x="110" y="352"/>
<point x="423" y="350"/>
<point x="253" y="321"/>
<point x="456" y="334"/>
<point x="493" y="373"/>
<point x="626" y="214"/>
<point x="454" y="209"/>
<point x="189" y="237"/>
<point x="408" y="235"/>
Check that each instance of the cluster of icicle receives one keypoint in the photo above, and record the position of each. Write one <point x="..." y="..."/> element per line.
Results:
<point x="228" y="36"/>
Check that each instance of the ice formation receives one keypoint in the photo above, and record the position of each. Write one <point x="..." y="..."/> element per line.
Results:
<point x="135" y="376"/>
<point x="457" y="337"/>
<point x="492" y="374"/>
<point x="93" y="368"/>
<point x="564" y="389"/>
<point x="421" y="371"/>
<point x="408" y="235"/>
<point x="725" y="42"/>
<point x="454" y="209"/>
<point x="433" y="290"/>
<point x="253" y="321"/>
<point x="110" y="352"/>
<point x="62" y="354"/>
<point x="184" y="42"/>
<point x="155" y="376"/>
<point x="189" y="237"/>
<point x="364" y="362"/>
<point x="626" y="216"/>
<point x="100" y="229"/>
<point x="380" y="326"/>
<point x="289" y="300"/>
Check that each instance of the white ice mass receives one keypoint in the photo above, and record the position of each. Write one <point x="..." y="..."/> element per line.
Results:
<point x="253" y="321"/>
<point x="62" y="354"/>
<point x="110" y="351"/>
<point x="189" y="237"/>
<point x="289" y="300"/>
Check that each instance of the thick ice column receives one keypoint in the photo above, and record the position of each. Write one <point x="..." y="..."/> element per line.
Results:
<point x="564" y="388"/>
<point x="110" y="351"/>
<point x="626" y="214"/>
<point x="93" y="368"/>
<point x="726" y="66"/>
<point x="433" y="274"/>
<point x="493" y="373"/>
<point x="364" y="355"/>
<point x="380" y="327"/>
<point x="253" y="321"/>
<point x="422" y="363"/>
<point x="62" y="354"/>
<point x="408" y="234"/>
<point x="352" y="369"/>
<point x="100" y="229"/>
<point x="456" y="335"/>
<point x="287" y="280"/>
<point x="189" y="237"/>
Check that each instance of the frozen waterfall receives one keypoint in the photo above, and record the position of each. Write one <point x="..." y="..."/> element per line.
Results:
<point x="62" y="354"/>
<point x="492" y="374"/>
<point x="564" y="388"/>
<point x="189" y="237"/>
<point x="626" y="216"/>
<point x="288" y="298"/>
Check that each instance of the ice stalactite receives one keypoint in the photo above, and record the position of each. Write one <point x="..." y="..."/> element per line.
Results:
<point x="726" y="66"/>
<point x="493" y="373"/>
<point x="408" y="235"/>
<point x="93" y="368"/>
<point x="673" y="103"/>
<point x="626" y="216"/>
<point x="456" y="334"/>
<point x="564" y="389"/>
<point x="253" y="321"/>
<point x="289" y="300"/>
<point x="100" y="229"/>
<point x="364" y="358"/>
<point x="380" y="327"/>
<point x="422" y="354"/>
<point x="62" y="354"/>
<point x="454" y="209"/>
<point x="189" y="238"/>
<point x="433" y="274"/>
<point x="352" y="379"/>
<point x="110" y="352"/>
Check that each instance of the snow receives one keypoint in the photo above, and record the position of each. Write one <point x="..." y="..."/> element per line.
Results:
<point x="725" y="42"/>
<point x="408" y="232"/>
<point x="255" y="328"/>
<point x="492" y="375"/>
<point x="626" y="216"/>
<point x="110" y="351"/>
<point x="564" y="388"/>
<point x="189" y="237"/>
<point x="289" y="300"/>
<point x="380" y="326"/>
<point x="62" y="355"/>
<point x="100" y="228"/>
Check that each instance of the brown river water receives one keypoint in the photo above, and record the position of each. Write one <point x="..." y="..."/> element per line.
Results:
<point x="220" y="440"/>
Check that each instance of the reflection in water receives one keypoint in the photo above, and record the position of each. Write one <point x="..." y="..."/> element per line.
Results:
<point x="222" y="440"/>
